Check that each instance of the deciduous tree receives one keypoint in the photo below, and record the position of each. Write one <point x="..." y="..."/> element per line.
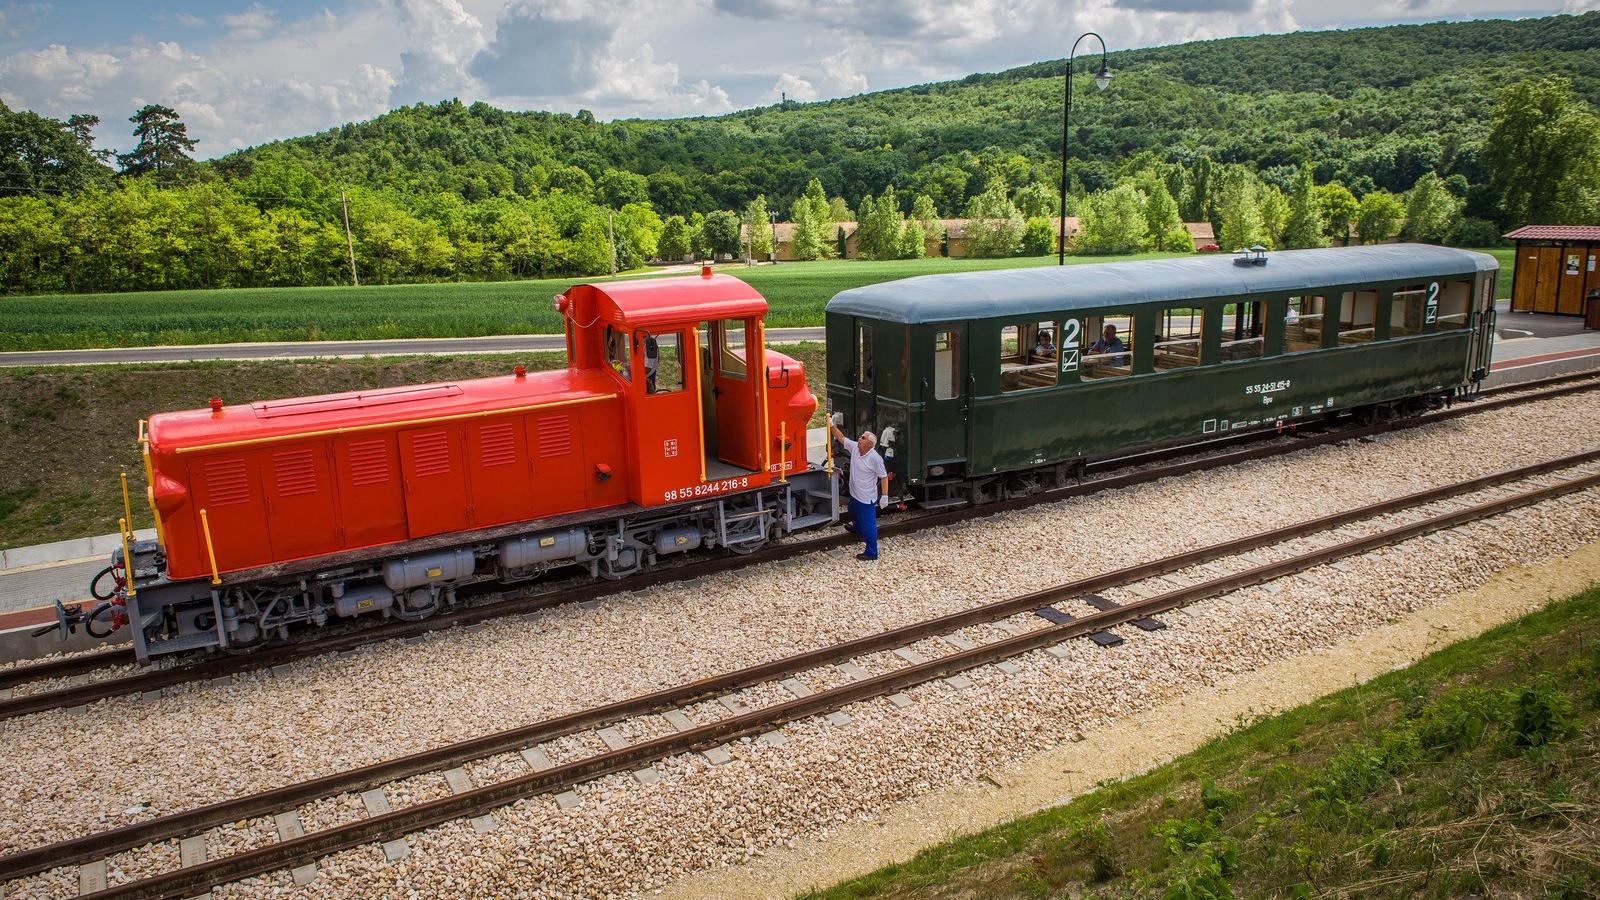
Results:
<point x="1303" y="228"/>
<point x="1379" y="216"/>
<point x="1431" y="210"/>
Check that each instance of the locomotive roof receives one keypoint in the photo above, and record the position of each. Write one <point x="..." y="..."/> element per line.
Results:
<point x="983" y="295"/>
<point x="646" y="302"/>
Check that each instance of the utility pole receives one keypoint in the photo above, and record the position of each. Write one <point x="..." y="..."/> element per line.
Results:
<point x="611" y="241"/>
<point x="344" y="206"/>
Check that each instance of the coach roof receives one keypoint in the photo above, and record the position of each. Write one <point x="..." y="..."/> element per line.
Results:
<point x="1024" y="292"/>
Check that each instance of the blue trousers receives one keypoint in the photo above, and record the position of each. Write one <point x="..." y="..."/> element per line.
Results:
<point x="865" y="518"/>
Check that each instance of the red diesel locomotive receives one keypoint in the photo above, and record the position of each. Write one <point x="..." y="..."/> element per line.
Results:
<point x="662" y="435"/>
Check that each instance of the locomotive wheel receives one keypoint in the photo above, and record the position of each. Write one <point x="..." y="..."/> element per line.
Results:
<point x="745" y="548"/>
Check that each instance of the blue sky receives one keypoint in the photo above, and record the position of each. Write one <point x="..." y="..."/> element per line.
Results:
<point x="246" y="71"/>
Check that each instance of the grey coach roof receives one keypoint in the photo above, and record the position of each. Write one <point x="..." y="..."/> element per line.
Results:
<point x="982" y="295"/>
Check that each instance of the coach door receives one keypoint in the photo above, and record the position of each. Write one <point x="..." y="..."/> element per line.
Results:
<point x="865" y="373"/>
<point x="435" y="479"/>
<point x="946" y="422"/>
<point x="733" y="385"/>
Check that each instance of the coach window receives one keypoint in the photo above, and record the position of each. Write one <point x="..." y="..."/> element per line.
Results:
<point x="1406" y="310"/>
<point x="1455" y="303"/>
<point x="729" y="362"/>
<point x="1177" y="340"/>
<point x="864" y="356"/>
<point x="1302" y="323"/>
<point x="663" y="363"/>
<point x="1110" y="351"/>
<point x="946" y="372"/>
<point x="1028" y="355"/>
<point x="617" y="355"/>
<point x="1358" y="316"/>
<point x="1243" y="330"/>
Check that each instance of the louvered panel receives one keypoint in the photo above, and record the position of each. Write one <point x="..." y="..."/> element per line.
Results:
<point x="555" y="436"/>
<point x="498" y="444"/>
<point x="296" y="473"/>
<point x="432" y="449"/>
<point x="227" y="483"/>
<point x="369" y="463"/>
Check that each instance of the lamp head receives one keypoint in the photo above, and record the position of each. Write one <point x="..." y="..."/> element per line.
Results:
<point x="1102" y="79"/>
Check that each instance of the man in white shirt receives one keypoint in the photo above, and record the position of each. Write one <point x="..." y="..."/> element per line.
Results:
<point x="869" y="488"/>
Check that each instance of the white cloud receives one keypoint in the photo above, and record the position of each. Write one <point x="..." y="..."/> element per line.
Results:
<point x="190" y="21"/>
<point x="253" y="24"/>
<point x="1579" y="7"/>
<point x="792" y="86"/>
<point x="441" y="39"/>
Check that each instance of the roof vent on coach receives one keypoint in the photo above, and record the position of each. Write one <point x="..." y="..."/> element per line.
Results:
<point x="1251" y="256"/>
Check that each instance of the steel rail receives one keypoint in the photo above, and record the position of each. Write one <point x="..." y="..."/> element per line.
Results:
<point x="193" y="821"/>
<point x="397" y="823"/>
<point x="154" y="679"/>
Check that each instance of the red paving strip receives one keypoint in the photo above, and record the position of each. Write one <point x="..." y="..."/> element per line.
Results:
<point x="1519" y="362"/>
<point x="23" y="618"/>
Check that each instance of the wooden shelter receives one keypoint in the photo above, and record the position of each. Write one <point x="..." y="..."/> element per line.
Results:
<point x="1556" y="268"/>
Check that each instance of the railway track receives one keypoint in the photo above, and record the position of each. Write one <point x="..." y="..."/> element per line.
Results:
<point x="1136" y="468"/>
<point x="1242" y="565"/>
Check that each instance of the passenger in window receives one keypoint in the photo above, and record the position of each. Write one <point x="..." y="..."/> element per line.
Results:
<point x="1110" y="343"/>
<point x="1044" y="344"/>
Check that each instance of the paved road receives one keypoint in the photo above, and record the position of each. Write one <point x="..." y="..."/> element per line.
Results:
<point x="510" y="343"/>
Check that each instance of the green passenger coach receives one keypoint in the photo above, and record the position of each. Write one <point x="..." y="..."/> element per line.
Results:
<point x="987" y="384"/>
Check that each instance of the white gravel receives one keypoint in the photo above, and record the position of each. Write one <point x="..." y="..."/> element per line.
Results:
<point x="79" y="771"/>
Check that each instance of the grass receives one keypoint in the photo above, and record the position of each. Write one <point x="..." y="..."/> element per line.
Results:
<point x="798" y="292"/>
<point x="66" y="431"/>
<point x="1470" y="773"/>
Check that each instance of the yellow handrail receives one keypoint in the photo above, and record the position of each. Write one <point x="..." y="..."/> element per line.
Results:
<point x="827" y="437"/>
<point x="783" y="453"/>
<point x="211" y="550"/>
<point x="700" y="402"/>
<point x="150" y="480"/>
<point x="761" y="395"/>
<point x="127" y="558"/>
<point x="380" y="426"/>
<point x="127" y="510"/>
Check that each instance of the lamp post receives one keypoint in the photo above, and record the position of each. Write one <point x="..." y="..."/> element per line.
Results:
<point x="1101" y="80"/>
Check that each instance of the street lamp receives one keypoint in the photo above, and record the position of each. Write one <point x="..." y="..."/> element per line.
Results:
<point x="1102" y="80"/>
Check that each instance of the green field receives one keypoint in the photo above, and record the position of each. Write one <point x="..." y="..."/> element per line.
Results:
<point x="1469" y="774"/>
<point x="797" y="291"/>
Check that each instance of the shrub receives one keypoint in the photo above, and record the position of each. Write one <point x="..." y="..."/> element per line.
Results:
<point x="1092" y="841"/>
<point x="1541" y="713"/>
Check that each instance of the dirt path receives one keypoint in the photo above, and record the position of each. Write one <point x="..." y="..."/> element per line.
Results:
<point x="1142" y="741"/>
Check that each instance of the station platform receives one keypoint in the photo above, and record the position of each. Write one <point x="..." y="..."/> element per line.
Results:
<point x="1529" y="346"/>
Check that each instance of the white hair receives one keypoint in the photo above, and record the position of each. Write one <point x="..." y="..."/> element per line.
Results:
<point x="871" y="438"/>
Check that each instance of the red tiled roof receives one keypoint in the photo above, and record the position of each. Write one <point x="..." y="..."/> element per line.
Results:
<point x="1556" y="233"/>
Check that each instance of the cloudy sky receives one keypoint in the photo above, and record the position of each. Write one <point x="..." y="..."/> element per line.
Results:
<point x="246" y="71"/>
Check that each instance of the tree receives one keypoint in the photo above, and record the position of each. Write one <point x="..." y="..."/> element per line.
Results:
<point x="1036" y="200"/>
<point x="880" y="231"/>
<point x="674" y="242"/>
<point x="1274" y="215"/>
<point x="927" y="217"/>
<point x="1303" y="227"/>
<point x="39" y="154"/>
<point x="1431" y="210"/>
<point x="756" y="219"/>
<point x="1537" y="136"/>
<point x="1038" y="237"/>
<point x="839" y="211"/>
<point x="995" y="227"/>
<point x="1379" y="216"/>
<point x="1164" y="229"/>
<point x="699" y="245"/>
<point x="1238" y="213"/>
<point x="1199" y="205"/>
<point x="1338" y="208"/>
<point x="163" y="148"/>
<point x="913" y="242"/>
<point x="813" y="237"/>
<point x="721" y="233"/>
<point x="1112" y="222"/>
<point x="618" y="189"/>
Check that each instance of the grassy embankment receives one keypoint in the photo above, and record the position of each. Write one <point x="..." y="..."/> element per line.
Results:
<point x="797" y="291"/>
<point x="66" y="431"/>
<point x="1471" y="773"/>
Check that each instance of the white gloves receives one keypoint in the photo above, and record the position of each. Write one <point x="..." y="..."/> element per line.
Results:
<point x="837" y="420"/>
<point x="883" y="502"/>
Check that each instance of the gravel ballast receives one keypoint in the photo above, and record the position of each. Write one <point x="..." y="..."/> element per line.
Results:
<point x="330" y="714"/>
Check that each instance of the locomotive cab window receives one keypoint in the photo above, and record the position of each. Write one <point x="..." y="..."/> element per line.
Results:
<point x="1302" y="323"/>
<point x="1028" y="353"/>
<point x="663" y="362"/>
<point x="731" y="348"/>
<point x="946" y="365"/>
<point x="1244" y="330"/>
<point x="1110" y="353"/>
<point x="1177" y="338"/>
<point x="1358" y="316"/>
<point x="617" y="353"/>
<point x="1455" y="304"/>
<point x="1406" y="310"/>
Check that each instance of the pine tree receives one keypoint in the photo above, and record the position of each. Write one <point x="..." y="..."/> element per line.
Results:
<point x="164" y="146"/>
<point x="1304" y="225"/>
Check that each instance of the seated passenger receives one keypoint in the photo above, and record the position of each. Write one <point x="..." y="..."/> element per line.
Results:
<point x="1110" y="343"/>
<point x="1044" y="345"/>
